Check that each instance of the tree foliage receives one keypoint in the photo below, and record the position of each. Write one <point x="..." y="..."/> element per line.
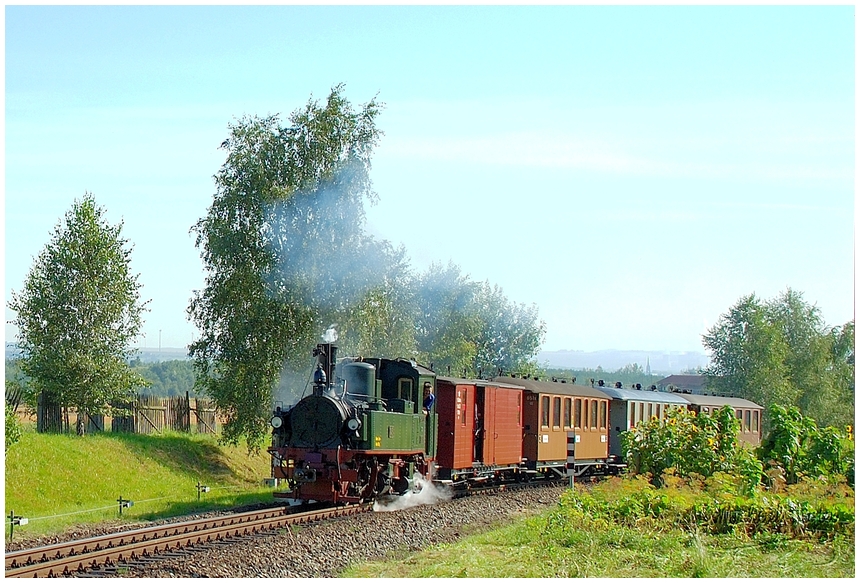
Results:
<point x="465" y="327"/>
<point x="278" y="243"/>
<point x="781" y="352"/>
<point x="170" y="378"/>
<point x="287" y="257"/>
<point x="79" y="311"/>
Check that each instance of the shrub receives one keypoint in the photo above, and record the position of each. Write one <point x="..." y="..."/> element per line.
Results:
<point x="691" y="444"/>
<point x="796" y="447"/>
<point x="822" y="509"/>
<point x="13" y="427"/>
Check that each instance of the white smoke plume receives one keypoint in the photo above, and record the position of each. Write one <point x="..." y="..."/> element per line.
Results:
<point x="423" y="492"/>
<point x="330" y="334"/>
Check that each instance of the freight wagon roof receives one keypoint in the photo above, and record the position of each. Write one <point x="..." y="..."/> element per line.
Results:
<point x="553" y="387"/>
<point x="711" y="401"/>
<point x="647" y="396"/>
<point x="479" y="382"/>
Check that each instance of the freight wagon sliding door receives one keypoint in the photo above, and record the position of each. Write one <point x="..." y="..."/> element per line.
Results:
<point x="504" y="427"/>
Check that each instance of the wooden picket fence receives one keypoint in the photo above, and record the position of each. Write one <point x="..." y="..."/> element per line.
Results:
<point x="146" y="414"/>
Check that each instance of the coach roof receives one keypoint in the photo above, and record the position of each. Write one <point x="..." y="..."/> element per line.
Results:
<point x="557" y="388"/>
<point x="496" y="382"/>
<point x="710" y="401"/>
<point x="647" y="396"/>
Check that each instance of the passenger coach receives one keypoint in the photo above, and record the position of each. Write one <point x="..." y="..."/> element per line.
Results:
<point x="550" y="411"/>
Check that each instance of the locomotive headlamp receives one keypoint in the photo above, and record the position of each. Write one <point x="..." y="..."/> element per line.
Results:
<point x="353" y="424"/>
<point x="276" y="422"/>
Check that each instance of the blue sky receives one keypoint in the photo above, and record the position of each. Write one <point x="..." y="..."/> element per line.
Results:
<point x="633" y="171"/>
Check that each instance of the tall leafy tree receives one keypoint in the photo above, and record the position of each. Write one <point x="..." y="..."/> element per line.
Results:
<point x="511" y="334"/>
<point x="780" y="352"/>
<point x="447" y="324"/>
<point x="381" y="323"/>
<point x="748" y="354"/>
<point x="473" y="327"/>
<point x="78" y="313"/>
<point x="279" y="244"/>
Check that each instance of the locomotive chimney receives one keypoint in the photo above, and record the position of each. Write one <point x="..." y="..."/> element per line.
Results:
<point x="326" y="354"/>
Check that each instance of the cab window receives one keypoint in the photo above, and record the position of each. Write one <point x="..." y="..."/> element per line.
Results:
<point x="404" y="389"/>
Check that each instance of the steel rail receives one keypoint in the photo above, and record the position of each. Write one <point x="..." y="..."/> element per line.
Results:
<point x="23" y="557"/>
<point x="113" y="551"/>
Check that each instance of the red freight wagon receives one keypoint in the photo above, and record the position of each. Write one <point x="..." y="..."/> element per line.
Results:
<point x="480" y="428"/>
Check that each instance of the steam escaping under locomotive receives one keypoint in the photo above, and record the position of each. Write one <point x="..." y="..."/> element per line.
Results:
<point x="362" y="433"/>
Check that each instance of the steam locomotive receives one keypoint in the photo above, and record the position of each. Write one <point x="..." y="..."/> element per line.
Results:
<point x="364" y="433"/>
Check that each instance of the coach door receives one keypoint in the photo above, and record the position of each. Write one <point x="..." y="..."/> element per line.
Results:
<point x="480" y="430"/>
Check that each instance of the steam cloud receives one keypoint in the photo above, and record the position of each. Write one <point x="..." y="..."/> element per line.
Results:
<point x="423" y="492"/>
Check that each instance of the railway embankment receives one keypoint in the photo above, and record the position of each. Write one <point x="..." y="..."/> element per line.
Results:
<point x="70" y="484"/>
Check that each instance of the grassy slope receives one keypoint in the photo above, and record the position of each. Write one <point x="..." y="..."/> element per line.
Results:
<point x="62" y="480"/>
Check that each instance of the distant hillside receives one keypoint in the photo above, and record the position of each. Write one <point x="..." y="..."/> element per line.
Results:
<point x="610" y="360"/>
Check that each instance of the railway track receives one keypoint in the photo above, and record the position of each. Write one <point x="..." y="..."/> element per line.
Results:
<point x="146" y="544"/>
<point x="107" y="554"/>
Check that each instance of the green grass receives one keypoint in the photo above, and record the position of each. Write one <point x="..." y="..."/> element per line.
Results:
<point x="528" y="549"/>
<point x="58" y="481"/>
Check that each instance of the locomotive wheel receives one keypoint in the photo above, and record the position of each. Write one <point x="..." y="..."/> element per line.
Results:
<point x="400" y="485"/>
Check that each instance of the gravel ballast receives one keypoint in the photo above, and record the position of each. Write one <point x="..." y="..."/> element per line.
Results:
<point x="325" y="549"/>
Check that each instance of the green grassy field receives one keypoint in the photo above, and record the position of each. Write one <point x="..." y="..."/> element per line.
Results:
<point x="58" y="481"/>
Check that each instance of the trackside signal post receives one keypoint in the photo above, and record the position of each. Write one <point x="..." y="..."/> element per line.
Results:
<point x="571" y="455"/>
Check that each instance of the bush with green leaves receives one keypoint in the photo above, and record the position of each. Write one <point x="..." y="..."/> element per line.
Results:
<point x="691" y="444"/>
<point x="820" y="508"/>
<point x="795" y="447"/>
<point x="13" y="427"/>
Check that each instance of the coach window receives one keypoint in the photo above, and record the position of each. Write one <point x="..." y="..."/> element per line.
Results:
<point x="755" y="421"/>
<point x="461" y="405"/>
<point x="567" y="418"/>
<point x="632" y="407"/>
<point x="556" y="412"/>
<point x="544" y="405"/>
<point x="747" y="424"/>
<point x="603" y="414"/>
<point x="740" y="415"/>
<point x="577" y="413"/>
<point x="593" y="417"/>
<point x="641" y="412"/>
